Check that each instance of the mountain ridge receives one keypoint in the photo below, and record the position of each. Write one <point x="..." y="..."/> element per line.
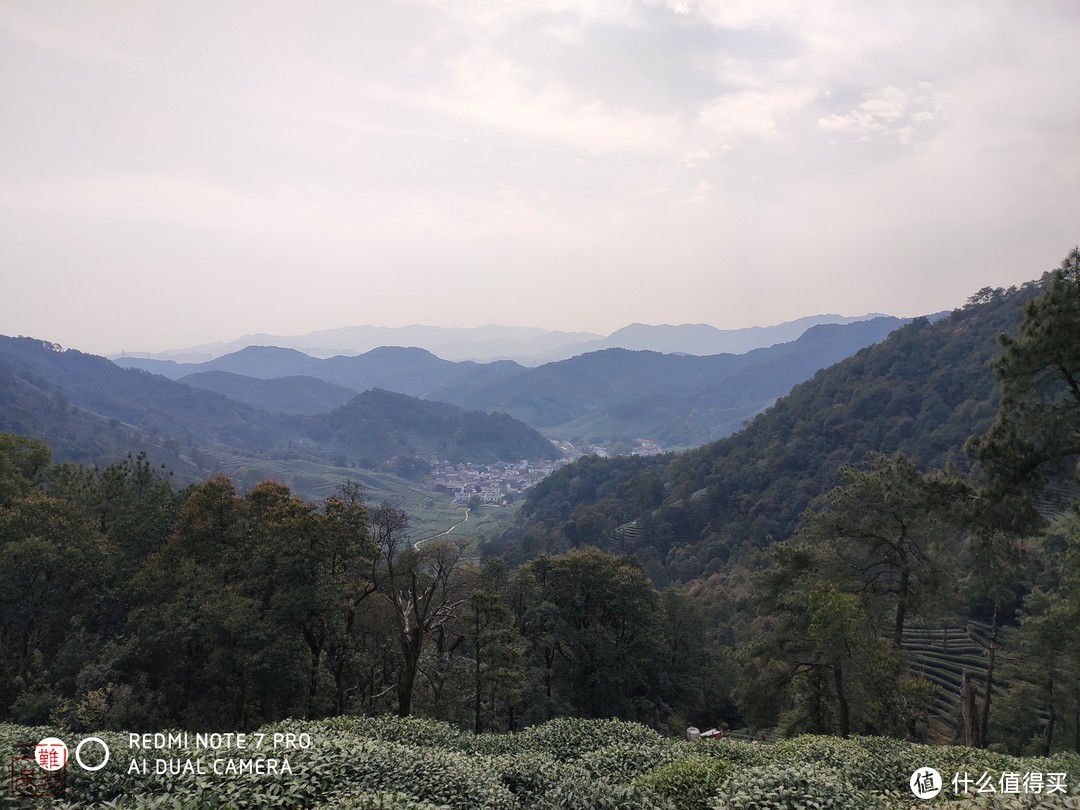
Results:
<point x="528" y="346"/>
<point x="101" y="403"/>
<point x="681" y="399"/>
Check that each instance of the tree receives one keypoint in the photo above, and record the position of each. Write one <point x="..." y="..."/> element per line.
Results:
<point x="888" y="529"/>
<point x="537" y="620"/>
<point x="496" y="654"/>
<point x="1043" y="668"/>
<point x="51" y="557"/>
<point x="994" y="580"/>
<point x="838" y="631"/>
<point x="840" y="673"/>
<point x="1034" y="439"/>
<point x="1037" y="431"/>
<point x="345" y="552"/>
<point x="421" y="586"/>
<point x="239" y="613"/>
<point x="605" y="633"/>
<point x="23" y="463"/>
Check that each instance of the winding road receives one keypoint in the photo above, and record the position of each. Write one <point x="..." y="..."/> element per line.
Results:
<point x="443" y="534"/>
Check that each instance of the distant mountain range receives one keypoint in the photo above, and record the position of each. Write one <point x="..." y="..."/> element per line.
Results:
<point x="702" y="339"/>
<point x="527" y="346"/>
<point x="411" y="371"/>
<point x="392" y="408"/>
<point x="483" y="343"/>
<point x="90" y="409"/>
<point x="680" y="400"/>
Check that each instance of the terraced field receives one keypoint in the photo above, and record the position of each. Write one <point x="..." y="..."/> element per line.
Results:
<point x="429" y="513"/>
<point x="941" y="655"/>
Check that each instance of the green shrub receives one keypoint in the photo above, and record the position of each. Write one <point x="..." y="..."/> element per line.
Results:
<point x="736" y="752"/>
<point x="378" y="801"/>
<point x="688" y="783"/>
<point x="586" y="793"/>
<point x="529" y="774"/>
<point x="624" y="760"/>
<point x="570" y="738"/>
<point x="786" y="786"/>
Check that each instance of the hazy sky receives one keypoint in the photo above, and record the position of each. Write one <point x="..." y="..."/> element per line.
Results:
<point x="173" y="173"/>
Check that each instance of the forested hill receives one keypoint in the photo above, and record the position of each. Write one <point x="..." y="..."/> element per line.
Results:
<point x="923" y="391"/>
<point x="382" y="424"/>
<point x="298" y="394"/>
<point x="680" y="400"/>
<point x="93" y="411"/>
<point x="146" y="401"/>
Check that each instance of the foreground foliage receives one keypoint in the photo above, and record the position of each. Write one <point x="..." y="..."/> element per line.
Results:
<point x="391" y="763"/>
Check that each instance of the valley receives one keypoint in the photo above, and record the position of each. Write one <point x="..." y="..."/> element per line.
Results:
<point x="880" y="553"/>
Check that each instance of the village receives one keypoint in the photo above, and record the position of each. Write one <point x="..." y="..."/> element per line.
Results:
<point x="502" y="483"/>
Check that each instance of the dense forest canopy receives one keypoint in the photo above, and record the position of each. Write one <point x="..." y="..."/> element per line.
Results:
<point x="128" y="604"/>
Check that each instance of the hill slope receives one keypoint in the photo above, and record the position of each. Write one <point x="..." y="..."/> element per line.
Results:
<point x="922" y="391"/>
<point x="279" y="395"/>
<point x="703" y="339"/>
<point x="153" y="403"/>
<point x="382" y="424"/>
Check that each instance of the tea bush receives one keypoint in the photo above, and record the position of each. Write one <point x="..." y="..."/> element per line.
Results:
<point x="378" y="801"/>
<point x="586" y="792"/>
<point x="785" y="785"/>
<point x="688" y="783"/>
<point x="391" y="763"/>
<point x="530" y="774"/>
<point x="624" y="760"/>
<point x="569" y="738"/>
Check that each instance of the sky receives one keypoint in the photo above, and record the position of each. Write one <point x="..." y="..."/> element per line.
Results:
<point x="178" y="173"/>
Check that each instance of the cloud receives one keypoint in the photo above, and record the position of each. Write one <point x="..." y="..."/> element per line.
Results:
<point x="889" y="111"/>
<point x="752" y="113"/>
<point x="338" y="139"/>
<point x="494" y="91"/>
<point x="741" y="14"/>
<point x="61" y="37"/>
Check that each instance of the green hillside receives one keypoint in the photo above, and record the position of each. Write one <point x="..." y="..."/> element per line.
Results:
<point x="679" y="400"/>
<point x="297" y="394"/>
<point x="923" y="391"/>
<point x="855" y="557"/>
<point x="380" y="425"/>
<point x="159" y="406"/>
